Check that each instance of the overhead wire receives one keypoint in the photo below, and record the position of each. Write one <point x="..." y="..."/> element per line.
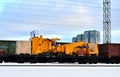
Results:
<point x="58" y="0"/>
<point x="58" y="3"/>
<point x="52" y="2"/>
<point x="40" y="16"/>
<point x="16" y="6"/>
<point x="50" y="24"/>
<point x="33" y="9"/>
<point x="55" y="2"/>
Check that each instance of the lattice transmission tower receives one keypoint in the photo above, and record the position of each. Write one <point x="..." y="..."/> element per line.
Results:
<point x="106" y="21"/>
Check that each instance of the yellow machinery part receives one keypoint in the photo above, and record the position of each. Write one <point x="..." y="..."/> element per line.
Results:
<point x="41" y="45"/>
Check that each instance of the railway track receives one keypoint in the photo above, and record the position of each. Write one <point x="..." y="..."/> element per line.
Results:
<point x="56" y="65"/>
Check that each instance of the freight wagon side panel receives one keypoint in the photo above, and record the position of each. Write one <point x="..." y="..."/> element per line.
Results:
<point x="109" y="50"/>
<point x="23" y="47"/>
<point x="103" y="50"/>
<point x="114" y="50"/>
<point x="8" y="46"/>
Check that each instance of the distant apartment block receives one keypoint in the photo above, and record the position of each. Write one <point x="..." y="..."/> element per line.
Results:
<point x="80" y="37"/>
<point x="91" y="36"/>
<point x="74" y="39"/>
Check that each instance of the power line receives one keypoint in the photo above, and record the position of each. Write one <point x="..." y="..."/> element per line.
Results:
<point x="66" y="26"/>
<point x="45" y="32"/>
<point x="51" y="6"/>
<point x="41" y="16"/>
<point x="49" y="23"/>
<point x="69" y="3"/>
<point x="55" y="2"/>
<point x="90" y="7"/>
<point x="52" y="3"/>
<point x="31" y="15"/>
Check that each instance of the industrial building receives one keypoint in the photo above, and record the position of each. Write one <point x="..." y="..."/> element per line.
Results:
<point x="91" y="36"/>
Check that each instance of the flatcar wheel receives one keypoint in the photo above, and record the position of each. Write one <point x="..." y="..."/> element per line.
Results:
<point x="90" y="62"/>
<point x="107" y="60"/>
<point x="93" y="60"/>
<point x="33" y="59"/>
<point x="26" y="58"/>
<point x="118" y="60"/>
<point x="20" y="60"/>
<point x="61" y="57"/>
<point x="6" y="60"/>
<point x="61" y="60"/>
<point x="82" y="60"/>
<point x="1" y="60"/>
<point x="70" y="60"/>
<point x="114" y="60"/>
<point x="52" y="59"/>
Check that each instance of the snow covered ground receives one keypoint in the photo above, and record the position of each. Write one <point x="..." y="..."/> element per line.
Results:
<point x="58" y="70"/>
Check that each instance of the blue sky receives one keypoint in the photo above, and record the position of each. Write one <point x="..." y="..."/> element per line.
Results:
<point x="54" y="18"/>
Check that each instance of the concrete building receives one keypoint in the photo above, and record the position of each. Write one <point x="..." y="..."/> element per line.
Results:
<point x="74" y="39"/>
<point x="92" y="36"/>
<point x="80" y="37"/>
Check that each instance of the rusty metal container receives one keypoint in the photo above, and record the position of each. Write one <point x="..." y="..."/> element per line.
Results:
<point x="109" y="50"/>
<point x="8" y="45"/>
<point x="23" y="47"/>
<point x="2" y="52"/>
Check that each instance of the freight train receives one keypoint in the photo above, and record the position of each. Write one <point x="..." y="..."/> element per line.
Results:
<point x="44" y="50"/>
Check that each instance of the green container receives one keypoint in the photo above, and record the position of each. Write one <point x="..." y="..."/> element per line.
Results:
<point x="8" y="46"/>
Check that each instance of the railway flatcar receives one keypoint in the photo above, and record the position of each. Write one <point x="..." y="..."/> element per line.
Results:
<point x="44" y="50"/>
